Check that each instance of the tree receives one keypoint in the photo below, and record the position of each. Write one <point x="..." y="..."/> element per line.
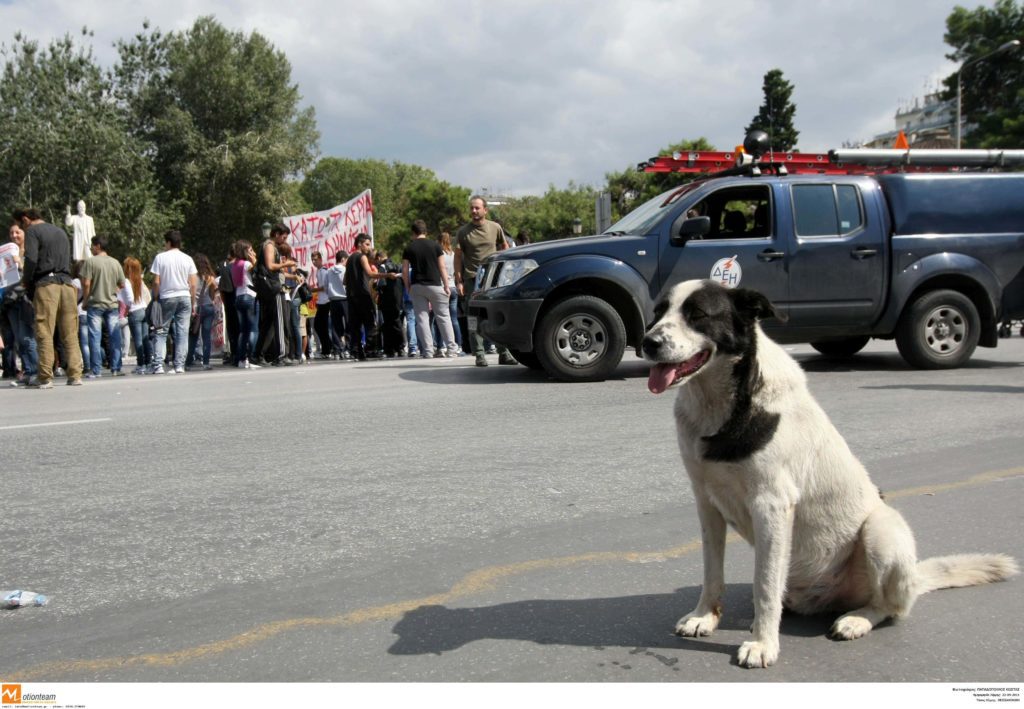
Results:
<point x="64" y="137"/>
<point x="993" y="89"/>
<point x="775" y="117"/>
<point x="222" y="123"/>
<point x="550" y="216"/>
<point x="631" y="188"/>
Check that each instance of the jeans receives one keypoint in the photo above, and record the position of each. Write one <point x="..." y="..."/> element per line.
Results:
<point x="245" y="306"/>
<point x="410" y="324"/>
<point x="83" y="340"/>
<point x="295" y="322"/>
<point x="207" y="314"/>
<point x="177" y="312"/>
<point x="104" y="318"/>
<point x="140" y="337"/>
<point x="19" y="317"/>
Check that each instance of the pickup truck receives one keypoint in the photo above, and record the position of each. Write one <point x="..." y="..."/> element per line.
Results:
<point x="934" y="261"/>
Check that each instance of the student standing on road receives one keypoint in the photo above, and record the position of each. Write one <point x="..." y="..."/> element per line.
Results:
<point x="102" y="278"/>
<point x="137" y="298"/>
<point x="453" y="297"/>
<point x="475" y="242"/>
<point x="337" y="303"/>
<point x="428" y="284"/>
<point x="362" y="312"/>
<point x="322" y="319"/>
<point x="47" y="279"/>
<point x="245" y="303"/>
<point x="19" y="317"/>
<point x="272" y="345"/>
<point x="175" y="281"/>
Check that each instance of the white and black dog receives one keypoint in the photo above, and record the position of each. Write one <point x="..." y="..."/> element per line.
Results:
<point x="764" y="458"/>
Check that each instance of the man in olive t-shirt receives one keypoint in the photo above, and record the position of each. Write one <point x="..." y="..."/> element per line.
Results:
<point x="475" y="242"/>
<point x="102" y="277"/>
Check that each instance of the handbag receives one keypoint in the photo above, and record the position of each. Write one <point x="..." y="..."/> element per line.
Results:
<point x="304" y="294"/>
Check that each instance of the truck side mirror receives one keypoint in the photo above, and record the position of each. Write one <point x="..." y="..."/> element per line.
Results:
<point x="692" y="228"/>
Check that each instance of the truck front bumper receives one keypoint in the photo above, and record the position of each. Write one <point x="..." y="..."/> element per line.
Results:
<point x="504" y="322"/>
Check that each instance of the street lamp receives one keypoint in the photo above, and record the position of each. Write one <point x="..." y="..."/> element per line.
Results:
<point x="577" y="226"/>
<point x="1007" y="46"/>
<point x="266" y="230"/>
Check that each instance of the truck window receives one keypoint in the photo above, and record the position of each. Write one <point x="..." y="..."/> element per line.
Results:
<point x="737" y="212"/>
<point x="827" y="210"/>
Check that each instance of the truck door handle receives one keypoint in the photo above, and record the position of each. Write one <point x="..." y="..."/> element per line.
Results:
<point x="863" y="253"/>
<point x="769" y="255"/>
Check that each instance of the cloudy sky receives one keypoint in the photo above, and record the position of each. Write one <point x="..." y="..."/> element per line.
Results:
<point x="513" y="96"/>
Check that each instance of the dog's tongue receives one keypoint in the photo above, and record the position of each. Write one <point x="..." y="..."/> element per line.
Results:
<point x="661" y="377"/>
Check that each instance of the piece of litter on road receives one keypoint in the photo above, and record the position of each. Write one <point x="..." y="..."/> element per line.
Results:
<point x="21" y="599"/>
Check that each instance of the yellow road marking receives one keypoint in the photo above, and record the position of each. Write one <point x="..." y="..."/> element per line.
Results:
<point x="485" y="579"/>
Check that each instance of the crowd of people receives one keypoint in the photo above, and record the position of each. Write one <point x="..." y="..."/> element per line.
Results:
<point x="73" y="318"/>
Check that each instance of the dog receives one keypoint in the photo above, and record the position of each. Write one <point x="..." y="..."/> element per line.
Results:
<point x="764" y="458"/>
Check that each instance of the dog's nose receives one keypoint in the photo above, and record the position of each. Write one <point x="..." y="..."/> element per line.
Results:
<point x="651" y="344"/>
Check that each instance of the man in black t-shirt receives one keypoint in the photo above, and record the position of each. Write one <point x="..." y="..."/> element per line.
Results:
<point x="47" y="279"/>
<point x="426" y="278"/>
<point x="362" y="313"/>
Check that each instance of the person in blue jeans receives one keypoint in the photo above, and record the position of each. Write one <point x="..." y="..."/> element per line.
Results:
<point x="245" y="303"/>
<point x="175" y="283"/>
<point x="18" y="320"/>
<point x="205" y="312"/>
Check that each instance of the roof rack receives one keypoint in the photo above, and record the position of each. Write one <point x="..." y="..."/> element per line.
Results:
<point x="853" y="161"/>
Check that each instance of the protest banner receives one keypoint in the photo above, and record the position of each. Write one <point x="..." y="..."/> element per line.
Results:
<point x="330" y="231"/>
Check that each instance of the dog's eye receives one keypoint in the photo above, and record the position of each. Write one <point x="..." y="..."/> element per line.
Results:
<point x="697" y="314"/>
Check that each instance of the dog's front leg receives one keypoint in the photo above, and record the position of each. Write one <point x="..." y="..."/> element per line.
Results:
<point x="773" y="531"/>
<point x="704" y="618"/>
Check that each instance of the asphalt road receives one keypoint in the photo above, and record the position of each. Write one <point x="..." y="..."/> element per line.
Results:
<point x="431" y="521"/>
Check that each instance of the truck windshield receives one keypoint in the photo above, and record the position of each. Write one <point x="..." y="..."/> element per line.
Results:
<point x="644" y="217"/>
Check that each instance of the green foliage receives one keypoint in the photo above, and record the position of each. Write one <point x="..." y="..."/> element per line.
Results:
<point x="993" y="89"/>
<point x="63" y="138"/>
<point x="223" y="123"/>
<point x="775" y="117"/>
<point x="550" y="216"/>
<point x="631" y="188"/>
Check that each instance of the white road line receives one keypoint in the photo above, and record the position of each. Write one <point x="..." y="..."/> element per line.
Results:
<point x="53" y="423"/>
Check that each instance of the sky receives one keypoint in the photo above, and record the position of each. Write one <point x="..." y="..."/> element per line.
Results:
<point x="511" y="97"/>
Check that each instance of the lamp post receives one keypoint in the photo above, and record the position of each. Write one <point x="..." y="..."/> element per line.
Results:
<point x="1005" y="47"/>
<point x="577" y="226"/>
<point x="266" y="230"/>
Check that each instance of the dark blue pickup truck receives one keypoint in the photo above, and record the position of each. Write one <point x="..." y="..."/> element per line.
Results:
<point x="934" y="261"/>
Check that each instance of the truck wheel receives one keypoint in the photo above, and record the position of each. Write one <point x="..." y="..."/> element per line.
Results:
<point x="527" y="359"/>
<point x="939" y="330"/>
<point x="846" y="347"/>
<point x="581" y="339"/>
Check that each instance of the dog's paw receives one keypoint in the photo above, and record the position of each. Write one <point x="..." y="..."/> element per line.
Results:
<point x="754" y="653"/>
<point x="693" y="625"/>
<point x="850" y="627"/>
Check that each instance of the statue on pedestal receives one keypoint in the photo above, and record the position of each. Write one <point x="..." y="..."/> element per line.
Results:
<point x="84" y="230"/>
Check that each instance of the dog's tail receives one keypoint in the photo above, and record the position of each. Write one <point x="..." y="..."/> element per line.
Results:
<point x="963" y="570"/>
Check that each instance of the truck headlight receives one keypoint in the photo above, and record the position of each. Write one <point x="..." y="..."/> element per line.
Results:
<point x="512" y="271"/>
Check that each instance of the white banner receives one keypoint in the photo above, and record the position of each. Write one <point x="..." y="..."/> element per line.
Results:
<point x="10" y="272"/>
<point x="330" y="231"/>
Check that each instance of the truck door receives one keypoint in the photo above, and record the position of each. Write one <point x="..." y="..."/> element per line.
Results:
<point x="838" y="264"/>
<point x="742" y="248"/>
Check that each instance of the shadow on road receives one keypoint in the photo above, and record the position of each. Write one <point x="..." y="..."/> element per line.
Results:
<point x="629" y="621"/>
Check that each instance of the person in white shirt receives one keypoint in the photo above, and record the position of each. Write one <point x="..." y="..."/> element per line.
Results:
<point x="338" y="299"/>
<point x="136" y="298"/>
<point x="322" y="319"/>
<point x="175" y="279"/>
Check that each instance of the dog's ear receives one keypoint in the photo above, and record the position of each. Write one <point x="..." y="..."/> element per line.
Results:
<point x="754" y="305"/>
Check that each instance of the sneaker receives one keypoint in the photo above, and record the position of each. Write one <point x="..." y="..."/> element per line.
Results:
<point x="179" y="370"/>
<point x="157" y="369"/>
<point x="139" y="370"/>
<point x="207" y="367"/>
<point x="49" y="385"/>
<point x="59" y="372"/>
<point x="250" y="365"/>
<point x="118" y="373"/>
<point x="92" y="375"/>
<point x="507" y="358"/>
<point x="492" y="350"/>
<point x="438" y="354"/>
<point x="481" y="361"/>
<point x="71" y="383"/>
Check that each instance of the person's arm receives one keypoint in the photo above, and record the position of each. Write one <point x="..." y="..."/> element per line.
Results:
<point x="502" y="242"/>
<point x="193" y="282"/>
<point x="86" y="291"/>
<point x="444" y="274"/>
<point x="458" y="271"/>
<point x="156" y="287"/>
<point x="31" y="261"/>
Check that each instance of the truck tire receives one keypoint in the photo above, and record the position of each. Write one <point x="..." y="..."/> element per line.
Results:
<point x="846" y="347"/>
<point x="527" y="359"/>
<point x="939" y="330"/>
<point x="580" y="339"/>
